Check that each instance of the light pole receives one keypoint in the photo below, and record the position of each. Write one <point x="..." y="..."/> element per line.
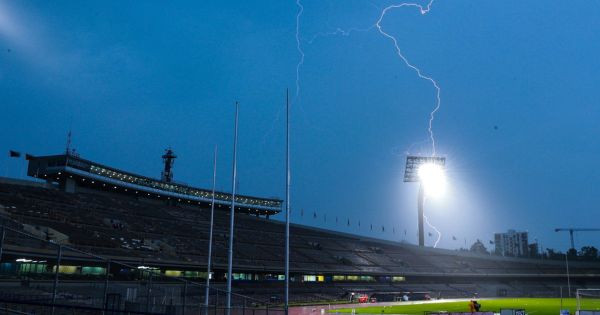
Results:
<point x="287" y="203"/>
<point x="428" y="171"/>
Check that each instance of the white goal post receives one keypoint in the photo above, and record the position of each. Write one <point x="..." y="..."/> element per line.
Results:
<point x="588" y="301"/>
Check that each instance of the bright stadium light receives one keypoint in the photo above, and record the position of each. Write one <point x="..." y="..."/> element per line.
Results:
<point x="433" y="179"/>
<point x="429" y="172"/>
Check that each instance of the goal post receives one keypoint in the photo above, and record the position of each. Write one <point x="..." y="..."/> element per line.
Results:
<point x="588" y="301"/>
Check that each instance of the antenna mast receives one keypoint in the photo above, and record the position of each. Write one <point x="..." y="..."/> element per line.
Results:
<point x="169" y="160"/>
<point x="68" y="149"/>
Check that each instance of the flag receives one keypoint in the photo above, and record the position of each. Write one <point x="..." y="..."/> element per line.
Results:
<point x="14" y="154"/>
<point x="28" y="156"/>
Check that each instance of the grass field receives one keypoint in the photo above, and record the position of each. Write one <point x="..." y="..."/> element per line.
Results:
<point x="535" y="306"/>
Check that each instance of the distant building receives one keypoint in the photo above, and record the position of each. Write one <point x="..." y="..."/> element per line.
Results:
<point x="512" y="243"/>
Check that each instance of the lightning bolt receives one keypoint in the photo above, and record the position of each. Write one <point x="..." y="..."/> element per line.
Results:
<point x="338" y="31"/>
<point x="435" y="229"/>
<point x="423" y="10"/>
<point x="298" y="67"/>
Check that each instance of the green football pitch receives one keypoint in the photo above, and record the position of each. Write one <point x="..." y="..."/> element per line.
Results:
<point x="535" y="306"/>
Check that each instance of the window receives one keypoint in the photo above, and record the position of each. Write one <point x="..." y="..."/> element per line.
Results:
<point x="96" y="271"/>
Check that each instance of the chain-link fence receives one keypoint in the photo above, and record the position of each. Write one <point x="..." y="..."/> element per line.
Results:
<point x="46" y="277"/>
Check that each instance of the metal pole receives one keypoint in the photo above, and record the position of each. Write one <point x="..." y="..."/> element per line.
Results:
<point x="420" y="205"/>
<point x="578" y="302"/>
<point x="232" y="213"/>
<point x="210" y="235"/>
<point x="568" y="275"/>
<point x="216" y="302"/>
<point x="184" y="297"/>
<point x="572" y="243"/>
<point x="104" y="297"/>
<point x="55" y="287"/>
<point x="287" y="203"/>
<point x="561" y="298"/>
<point x="149" y="291"/>
<point x="2" y="241"/>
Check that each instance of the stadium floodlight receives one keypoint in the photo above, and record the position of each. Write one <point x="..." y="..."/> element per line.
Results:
<point x="429" y="171"/>
<point x="414" y="163"/>
<point x="433" y="179"/>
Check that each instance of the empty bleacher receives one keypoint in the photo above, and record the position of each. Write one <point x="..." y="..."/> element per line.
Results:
<point x="132" y="228"/>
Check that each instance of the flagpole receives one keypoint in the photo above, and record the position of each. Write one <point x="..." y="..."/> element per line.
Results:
<point x="232" y="212"/>
<point x="210" y="236"/>
<point x="287" y="203"/>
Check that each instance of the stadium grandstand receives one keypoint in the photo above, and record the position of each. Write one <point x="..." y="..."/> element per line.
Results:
<point x="84" y="235"/>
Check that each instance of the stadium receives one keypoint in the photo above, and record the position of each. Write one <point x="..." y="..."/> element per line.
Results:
<point x="82" y="237"/>
<point x="461" y="134"/>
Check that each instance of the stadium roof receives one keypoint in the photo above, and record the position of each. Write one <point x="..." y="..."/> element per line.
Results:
<point x="81" y="172"/>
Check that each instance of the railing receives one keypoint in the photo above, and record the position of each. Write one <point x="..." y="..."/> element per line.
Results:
<point x="32" y="307"/>
<point x="54" y="278"/>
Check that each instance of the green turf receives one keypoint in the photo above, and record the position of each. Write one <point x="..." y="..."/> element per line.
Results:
<point x="535" y="306"/>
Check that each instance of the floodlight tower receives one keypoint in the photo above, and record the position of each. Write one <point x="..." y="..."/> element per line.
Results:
<point x="428" y="171"/>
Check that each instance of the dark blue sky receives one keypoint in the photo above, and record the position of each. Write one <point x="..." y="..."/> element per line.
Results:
<point x="132" y="78"/>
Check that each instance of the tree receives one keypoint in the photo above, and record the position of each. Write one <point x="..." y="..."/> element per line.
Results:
<point x="479" y="248"/>
<point x="553" y="254"/>
<point x="589" y="253"/>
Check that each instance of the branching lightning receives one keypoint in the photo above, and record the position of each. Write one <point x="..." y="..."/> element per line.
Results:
<point x="423" y="10"/>
<point x="339" y="31"/>
<point x="410" y="65"/>
<point x="298" y="66"/>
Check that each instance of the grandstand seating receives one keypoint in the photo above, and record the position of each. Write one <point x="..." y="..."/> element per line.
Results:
<point x="131" y="228"/>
